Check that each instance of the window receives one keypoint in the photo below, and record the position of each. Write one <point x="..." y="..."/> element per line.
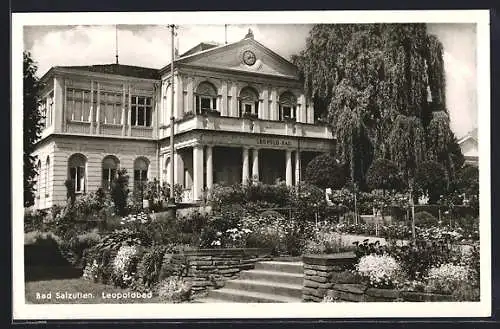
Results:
<point x="206" y="98"/>
<point x="111" y="107"/>
<point x="50" y="103"/>
<point x="76" y="172"/>
<point x="287" y="106"/>
<point x="249" y="101"/>
<point x="47" y="172"/>
<point x="141" y="111"/>
<point x="78" y="103"/>
<point x="109" y="167"/>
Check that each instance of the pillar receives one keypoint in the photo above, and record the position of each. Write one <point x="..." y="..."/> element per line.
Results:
<point x="179" y="95"/>
<point x="98" y="113"/>
<point x="178" y="167"/>
<point x="297" y="167"/>
<point x="234" y="101"/>
<point x="265" y="104"/>
<point x="223" y="109"/>
<point x="209" y="165"/>
<point x="288" y="168"/>
<point x="197" y="172"/>
<point x="124" y="113"/>
<point x="129" y="117"/>
<point x="273" y="115"/>
<point x="190" y="95"/>
<point x="244" y="171"/>
<point x="255" y="165"/>
<point x="91" y="115"/>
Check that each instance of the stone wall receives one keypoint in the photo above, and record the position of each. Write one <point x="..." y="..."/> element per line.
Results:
<point x="210" y="268"/>
<point x="330" y="275"/>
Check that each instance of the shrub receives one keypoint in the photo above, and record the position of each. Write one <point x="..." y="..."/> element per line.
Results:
<point x="381" y="271"/>
<point x="431" y="180"/>
<point x="174" y="290"/>
<point x="383" y="174"/>
<point x="41" y="238"/>
<point x="326" y="243"/>
<point x="423" y="218"/>
<point x="74" y="250"/>
<point x="119" y="192"/>
<point x="33" y="220"/>
<point x="446" y="278"/>
<point x="124" y="265"/>
<point x="274" y="194"/>
<point x="149" y="268"/>
<point x="220" y="195"/>
<point x="325" y="171"/>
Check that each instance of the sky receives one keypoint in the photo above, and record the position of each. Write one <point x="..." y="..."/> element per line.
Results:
<point x="150" y="46"/>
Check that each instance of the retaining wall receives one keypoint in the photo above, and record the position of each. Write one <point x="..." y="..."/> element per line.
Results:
<point x="210" y="268"/>
<point x="330" y="275"/>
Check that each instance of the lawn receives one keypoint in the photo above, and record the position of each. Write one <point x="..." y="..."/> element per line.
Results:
<point x="81" y="291"/>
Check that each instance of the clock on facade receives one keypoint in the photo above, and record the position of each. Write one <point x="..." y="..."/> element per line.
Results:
<point x="249" y="57"/>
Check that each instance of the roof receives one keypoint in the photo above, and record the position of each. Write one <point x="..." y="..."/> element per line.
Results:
<point x="200" y="47"/>
<point x="119" y="69"/>
<point x="470" y="135"/>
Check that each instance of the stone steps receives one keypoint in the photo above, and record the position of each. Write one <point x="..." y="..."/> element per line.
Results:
<point x="269" y="282"/>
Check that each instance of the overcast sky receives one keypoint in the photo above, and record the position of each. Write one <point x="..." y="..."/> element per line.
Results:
<point x="149" y="46"/>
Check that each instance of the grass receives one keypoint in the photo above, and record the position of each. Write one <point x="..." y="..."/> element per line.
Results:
<point x="89" y="293"/>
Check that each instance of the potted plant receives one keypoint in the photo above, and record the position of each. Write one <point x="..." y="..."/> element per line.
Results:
<point x="250" y="115"/>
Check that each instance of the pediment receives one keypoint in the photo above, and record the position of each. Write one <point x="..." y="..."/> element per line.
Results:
<point x="231" y="57"/>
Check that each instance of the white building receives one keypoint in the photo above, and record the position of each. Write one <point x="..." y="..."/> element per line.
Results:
<point x="240" y="114"/>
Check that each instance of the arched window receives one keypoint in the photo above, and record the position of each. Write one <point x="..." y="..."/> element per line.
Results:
<point x="206" y="97"/>
<point x="76" y="171"/>
<point x="141" y="170"/>
<point x="109" y="167"/>
<point x="47" y="172"/>
<point x="287" y="106"/>
<point x="249" y="101"/>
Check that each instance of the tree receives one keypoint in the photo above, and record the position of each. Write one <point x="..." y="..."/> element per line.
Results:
<point x="430" y="180"/>
<point x="325" y="171"/>
<point x="383" y="174"/>
<point x="32" y="126"/>
<point x="362" y="77"/>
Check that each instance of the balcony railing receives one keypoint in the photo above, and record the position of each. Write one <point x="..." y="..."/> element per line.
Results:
<point x="232" y="124"/>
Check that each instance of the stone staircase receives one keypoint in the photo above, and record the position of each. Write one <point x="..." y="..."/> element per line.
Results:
<point x="268" y="282"/>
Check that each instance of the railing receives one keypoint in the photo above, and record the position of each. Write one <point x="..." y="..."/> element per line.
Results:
<point x="77" y="127"/>
<point x="111" y="129"/>
<point x="142" y="132"/>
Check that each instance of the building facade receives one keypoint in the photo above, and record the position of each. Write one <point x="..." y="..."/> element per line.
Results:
<point x="240" y="115"/>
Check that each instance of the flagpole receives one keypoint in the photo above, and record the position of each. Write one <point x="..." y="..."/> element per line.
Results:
<point x="116" y="43"/>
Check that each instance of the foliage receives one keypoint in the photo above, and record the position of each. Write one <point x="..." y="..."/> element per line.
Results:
<point x="324" y="242"/>
<point x="119" y="191"/>
<point x="325" y="171"/>
<point x="431" y="180"/>
<point x="446" y="278"/>
<point x="423" y="218"/>
<point x="77" y="246"/>
<point x="32" y="125"/>
<point x="33" y="220"/>
<point x="174" y="290"/>
<point x="381" y="271"/>
<point x="41" y="238"/>
<point x="70" y="192"/>
<point x="384" y="174"/>
<point x="362" y="76"/>
<point x="124" y="264"/>
<point x="149" y="267"/>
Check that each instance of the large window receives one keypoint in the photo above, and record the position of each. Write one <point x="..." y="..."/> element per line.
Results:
<point x="111" y="107"/>
<point x="249" y="101"/>
<point x="206" y="98"/>
<point x="78" y="103"/>
<point x="109" y="167"/>
<point x="76" y="171"/>
<point x="46" y="105"/>
<point x="287" y="106"/>
<point x="38" y="185"/>
<point x="141" y="111"/>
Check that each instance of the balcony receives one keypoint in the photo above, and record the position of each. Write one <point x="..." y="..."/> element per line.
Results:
<point x="246" y="125"/>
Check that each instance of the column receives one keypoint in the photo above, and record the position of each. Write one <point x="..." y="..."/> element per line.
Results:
<point x="310" y="113"/>
<point x="91" y="116"/>
<point x="197" y="171"/>
<point x="190" y="95"/>
<point x="244" y="171"/>
<point x="210" y="170"/>
<point x="179" y="94"/>
<point x="301" y="109"/>
<point x="273" y="115"/>
<point x="129" y="111"/>
<point x="265" y="104"/>
<point x="288" y="168"/>
<point x="98" y="113"/>
<point x="297" y="167"/>
<point x="124" y="117"/>
<point x="223" y="109"/>
<point x="234" y="101"/>
<point x="178" y="167"/>
<point x="255" y="165"/>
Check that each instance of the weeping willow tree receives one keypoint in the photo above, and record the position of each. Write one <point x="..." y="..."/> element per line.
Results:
<point x="377" y="85"/>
